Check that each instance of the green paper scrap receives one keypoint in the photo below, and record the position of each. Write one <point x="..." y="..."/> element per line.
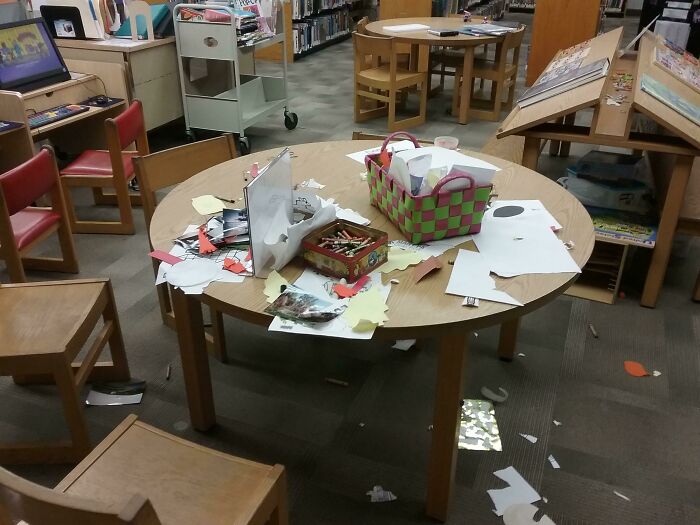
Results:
<point x="399" y="259"/>
<point x="207" y="205"/>
<point x="365" y="311"/>
<point x="273" y="285"/>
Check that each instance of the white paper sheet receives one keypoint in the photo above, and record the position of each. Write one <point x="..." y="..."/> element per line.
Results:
<point x="518" y="491"/>
<point x="432" y="248"/>
<point x="524" y="514"/>
<point x="322" y="286"/>
<point x="522" y="244"/>
<point x="470" y="278"/>
<point x="404" y="344"/>
<point x="529" y="437"/>
<point x="405" y="27"/>
<point x="553" y="462"/>
<point x="359" y="156"/>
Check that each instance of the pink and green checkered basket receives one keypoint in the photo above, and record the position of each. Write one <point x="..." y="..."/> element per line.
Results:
<point x="425" y="218"/>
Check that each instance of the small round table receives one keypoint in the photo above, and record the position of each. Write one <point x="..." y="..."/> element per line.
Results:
<point x="441" y="316"/>
<point x="421" y="41"/>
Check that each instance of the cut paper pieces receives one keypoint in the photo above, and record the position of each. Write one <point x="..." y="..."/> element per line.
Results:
<point x="404" y="344"/>
<point x="165" y="257"/>
<point x="478" y="429"/>
<point x="471" y="301"/>
<point x="620" y="495"/>
<point x="273" y="285"/>
<point x="496" y="398"/>
<point x="232" y="265"/>
<point x="192" y="273"/>
<point x="432" y="248"/>
<point x="520" y="354"/>
<point x="517" y="491"/>
<point x="553" y="461"/>
<point x="394" y="281"/>
<point x="557" y="423"/>
<point x="399" y="259"/>
<point x="635" y="369"/>
<point x="470" y="278"/>
<point x="207" y="205"/>
<point x="344" y="291"/>
<point x="379" y="495"/>
<point x="311" y="183"/>
<point x="656" y="373"/>
<point x="366" y="310"/>
<point x="531" y="439"/>
<point x="524" y="514"/>
<point x="205" y="245"/>
<point x="424" y="268"/>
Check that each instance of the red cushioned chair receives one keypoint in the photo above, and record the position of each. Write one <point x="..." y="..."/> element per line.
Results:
<point x="23" y="225"/>
<point x="113" y="168"/>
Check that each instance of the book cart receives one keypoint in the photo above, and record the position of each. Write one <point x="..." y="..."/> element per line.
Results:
<point x="216" y="94"/>
<point x="673" y="143"/>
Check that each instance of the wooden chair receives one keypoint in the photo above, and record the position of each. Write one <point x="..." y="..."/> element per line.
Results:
<point x="168" y="168"/>
<point x="23" y="225"/>
<point x="140" y="475"/>
<point x="502" y="72"/>
<point x="361" y="135"/>
<point x="99" y="169"/>
<point x="387" y="78"/>
<point x="361" y="26"/>
<point x="44" y="327"/>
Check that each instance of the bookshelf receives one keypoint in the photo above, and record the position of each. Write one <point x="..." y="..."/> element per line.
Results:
<point x="610" y="7"/>
<point x="615" y="7"/>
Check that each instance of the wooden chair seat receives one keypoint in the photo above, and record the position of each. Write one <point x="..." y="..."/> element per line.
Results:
<point x="381" y="77"/>
<point x="97" y="163"/>
<point x="33" y="224"/>
<point x="44" y="327"/>
<point x="186" y="483"/>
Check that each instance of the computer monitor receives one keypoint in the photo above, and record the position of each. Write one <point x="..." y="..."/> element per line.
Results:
<point x="78" y="19"/>
<point x="29" y="58"/>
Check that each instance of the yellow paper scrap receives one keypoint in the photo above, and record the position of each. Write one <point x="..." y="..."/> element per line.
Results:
<point x="366" y="310"/>
<point x="399" y="259"/>
<point x="207" y="205"/>
<point x="272" y="286"/>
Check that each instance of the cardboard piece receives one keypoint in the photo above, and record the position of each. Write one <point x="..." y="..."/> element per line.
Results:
<point x="424" y="268"/>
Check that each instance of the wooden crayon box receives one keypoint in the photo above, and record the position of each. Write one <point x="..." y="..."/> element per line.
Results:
<point x="351" y="267"/>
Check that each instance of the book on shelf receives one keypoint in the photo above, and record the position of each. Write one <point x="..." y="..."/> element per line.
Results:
<point x="306" y="8"/>
<point x="667" y="96"/>
<point x="625" y="227"/>
<point x="487" y="29"/>
<point x="565" y="82"/>
<point x="678" y="62"/>
<point x="312" y="32"/>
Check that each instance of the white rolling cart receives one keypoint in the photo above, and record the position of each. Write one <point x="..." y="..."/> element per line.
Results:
<point x="216" y="93"/>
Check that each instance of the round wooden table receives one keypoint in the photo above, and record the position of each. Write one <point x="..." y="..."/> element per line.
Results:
<point x="421" y="41"/>
<point x="441" y="316"/>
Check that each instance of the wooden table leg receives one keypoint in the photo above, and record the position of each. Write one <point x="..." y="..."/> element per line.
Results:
<point x="531" y="153"/>
<point x="466" y="89"/>
<point x="195" y="362"/>
<point x="443" y="451"/>
<point x="554" y="145"/>
<point x="508" y="339"/>
<point x="565" y="148"/>
<point x="667" y="229"/>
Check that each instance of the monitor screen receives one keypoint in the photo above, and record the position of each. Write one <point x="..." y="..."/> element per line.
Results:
<point x="28" y="56"/>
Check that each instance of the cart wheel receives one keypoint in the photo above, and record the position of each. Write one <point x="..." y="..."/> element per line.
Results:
<point x="290" y="120"/>
<point x="191" y="136"/>
<point x="244" y="145"/>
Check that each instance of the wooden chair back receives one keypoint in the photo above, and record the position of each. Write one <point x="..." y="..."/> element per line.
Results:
<point x="360" y="135"/>
<point x="361" y="26"/>
<point x="370" y="51"/>
<point x="125" y="129"/>
<point x="24" y="502"/>
<point x="512" y="42"/>
<point x="175" y="165"/>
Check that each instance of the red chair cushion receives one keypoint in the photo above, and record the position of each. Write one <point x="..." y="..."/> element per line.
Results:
<point x="30" y="223"/>
<point x="96" y="163"/>
<point x="27" y="182"/>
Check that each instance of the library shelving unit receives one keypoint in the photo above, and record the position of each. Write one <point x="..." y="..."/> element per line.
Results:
<point x="522" y="6"/>
<point x="316" y="24"/>
<point x="670" y="140"/>
<point x="615" y="7"/>
<point x="216" y="94"/>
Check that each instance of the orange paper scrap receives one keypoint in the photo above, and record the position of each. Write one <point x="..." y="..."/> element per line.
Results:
<point x="635" y="369"/>
<point x="232" y="265"/>
<point x="345" y="291"/>
<point x="205" y="245"/>
<point x="427" y="266"/>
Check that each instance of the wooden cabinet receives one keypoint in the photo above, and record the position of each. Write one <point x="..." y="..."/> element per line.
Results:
<point x="559" y="24"/>
<point x="404" y="8"/>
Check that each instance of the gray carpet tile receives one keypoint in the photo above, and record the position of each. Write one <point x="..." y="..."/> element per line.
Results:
<point x="639" y="436"/>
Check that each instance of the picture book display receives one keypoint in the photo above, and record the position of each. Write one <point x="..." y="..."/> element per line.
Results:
<point x="565" y="61"/>
<point x="665" y="95"/>
<point x="622" y="226"/>
<point x="679" y="63"/>
<point x="569" y="79"/>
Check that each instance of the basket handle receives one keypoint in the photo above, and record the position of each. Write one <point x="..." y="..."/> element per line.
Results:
<point x="450" y="178"/>
<point x="399" y="134"/>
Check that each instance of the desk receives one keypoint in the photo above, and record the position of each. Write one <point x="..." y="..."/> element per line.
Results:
<point x="442" y="317"/>
<point x="74" y="134"/>
<point x="422" y="40"/>
<point x="151" y="71"/>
